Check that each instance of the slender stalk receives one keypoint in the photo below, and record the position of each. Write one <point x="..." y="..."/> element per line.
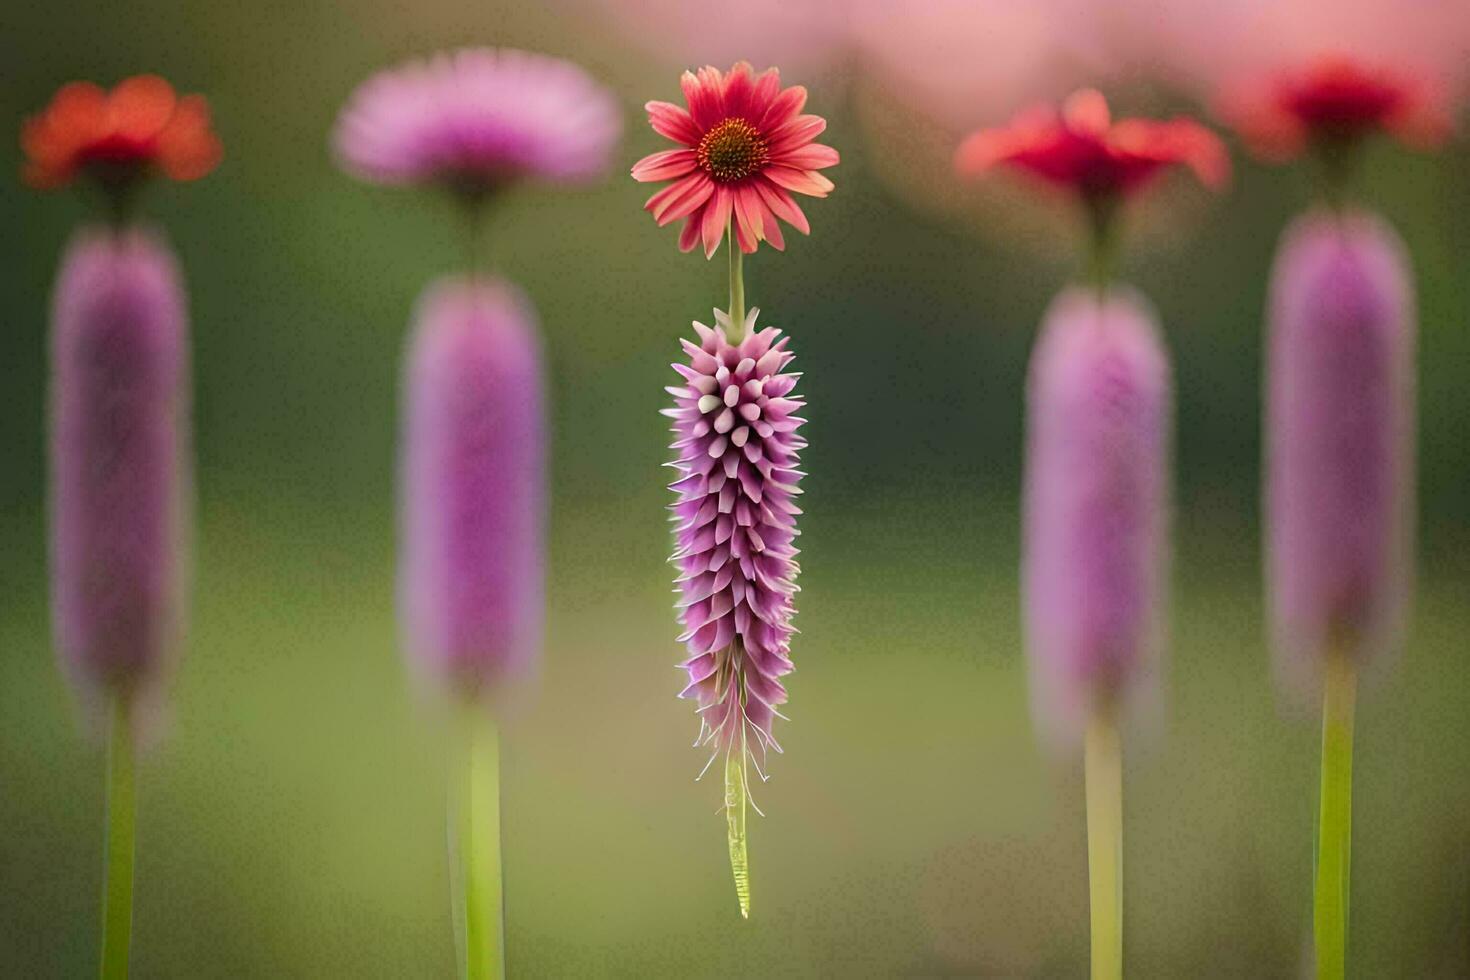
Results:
<point x="117" y="885"/>
<point x="737" y="285"/>
<point x="479" y="850"/>
<point x="1334" y="827"/>
<point x="1104" y="765"/>
<point x="735" y="804"/>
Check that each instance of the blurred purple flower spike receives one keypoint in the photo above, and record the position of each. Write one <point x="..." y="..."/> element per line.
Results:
<point x="473" y="486"/>
<point x="1097" y="498"/>
<point x="1340" y="438"/>
<point x="120" y="473"/>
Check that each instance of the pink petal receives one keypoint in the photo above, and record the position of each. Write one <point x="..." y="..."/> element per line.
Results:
<point x="801" y="181"/>
<point x="689" y="235"/>
<point x="703" y="102"/>
<point x="767" y="86"/>
<point x="745" y="236"/>
<point x="782" y="205"/>
<point x="680" y="198"/>
<point x="738" y="90"/>
<point x="672" y="122"/>
<point x="716" y="217"/>
<point x="796" y="132"/>
<point x="664" y="165"/>
<point x="784" y="107"/>
<point x="748" y="211"/>
<point x="770" y="227"/>
<point x="813" y="156"/>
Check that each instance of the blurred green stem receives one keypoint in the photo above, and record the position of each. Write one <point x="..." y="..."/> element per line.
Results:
<point x="479" y="848"/>
<point x="737" y="285"/>
<point x="1334" y="827"/>
<point x="117" y="885"/>
<point x="1104" y="776"/>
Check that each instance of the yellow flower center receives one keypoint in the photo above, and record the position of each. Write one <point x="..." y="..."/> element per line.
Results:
<point x="732" y="150"/>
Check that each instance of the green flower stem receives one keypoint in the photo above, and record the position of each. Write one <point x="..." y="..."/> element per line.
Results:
<point x="481" y="915"/>
<point x="737" y="285"/>
<point x="1334" y="827"/>
<point x="735" y="804"/>
<point x="1104" y="775"/>
<point x="117" y="885"/>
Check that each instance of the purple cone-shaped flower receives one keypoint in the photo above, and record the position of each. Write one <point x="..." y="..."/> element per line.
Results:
<point x="735" y="424"/>
<point x="1097" y="495"/>
<point x="1339" y="437"/>
<point x="119" y="469"/>
<point x="473" y="486"/>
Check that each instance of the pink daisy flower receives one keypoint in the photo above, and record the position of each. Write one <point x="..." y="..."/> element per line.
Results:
<point x="478" y="118"/>
<point x="745" y="147"/>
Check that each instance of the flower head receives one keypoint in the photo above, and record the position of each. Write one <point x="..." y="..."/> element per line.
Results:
<point x="476" y="119"/>
<point x="473" y="486"/>
<point x="1080" y="147"/>
<point x="1336" y="100"/>
<point x="118" y="137"/>
<point x="1339" y="434"/>
<point x="735" y="424"/>
<point x="119" y="427"/>
<point x="745" y="146"/>
<point x="1097" y="494"/>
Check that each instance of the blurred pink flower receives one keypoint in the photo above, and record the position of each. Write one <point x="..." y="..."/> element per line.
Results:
<point x="476" y="118"/>
<point x="746" y="146"/>
<point x="120" y="473"/>
<point x="1338" y="100"/>
<point x="473" y="496"/>
<point x="1340" y="437"/>
<point x="1096" y="502"/>
<point x="1081" y="147"/>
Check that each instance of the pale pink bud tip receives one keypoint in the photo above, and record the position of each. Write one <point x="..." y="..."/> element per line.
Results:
<point x="1339" y="436"/>
<point x="1097" y="492"/>
<point x="119" y="428"/>
<point x="473" y="485"/>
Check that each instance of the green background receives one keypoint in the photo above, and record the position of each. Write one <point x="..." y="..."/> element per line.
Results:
<point x="292" y="817"/>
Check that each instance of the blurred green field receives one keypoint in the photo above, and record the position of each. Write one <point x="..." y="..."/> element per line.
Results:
<point x="292" y="820"/>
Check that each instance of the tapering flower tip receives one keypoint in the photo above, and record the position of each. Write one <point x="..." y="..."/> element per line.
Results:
<point x="1080" y="146"/>
<point x="1339" y="439"/>
<point x="119" y="471"/>
<point x="473" y="487"/>
<point x="745" y="146"/>
<point x="476" y="119"/>
<point x="735" y="425"/>
<point x="119" y="137"/>
<point x="1097" y="498"/>
<point x="1333" y="103"/>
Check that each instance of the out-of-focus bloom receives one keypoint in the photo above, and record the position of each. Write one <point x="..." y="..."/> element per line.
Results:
<point x="1097" y="497"/>
<point x="1339" y="436"/>
<point x="735" y="424"/>
<point x="141" y="126"/>
<point x="119" y="467"/>
<point x="1336" y="100"/>
<point x="473" y="486"/>
<point x="1082" y="148"/>
<point x="477" y="118"/>
<point x="745" y="146"/>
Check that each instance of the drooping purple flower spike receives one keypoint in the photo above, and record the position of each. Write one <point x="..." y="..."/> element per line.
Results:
<point x="473" y="486"/>
<point x="120" y="474"/>
<point x="1097" y="493"/>
<point x="736" y="428"/>
<point x="1340" y="436"/>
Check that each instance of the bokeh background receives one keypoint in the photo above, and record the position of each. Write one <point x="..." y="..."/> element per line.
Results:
<point x="292" y="816"/>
